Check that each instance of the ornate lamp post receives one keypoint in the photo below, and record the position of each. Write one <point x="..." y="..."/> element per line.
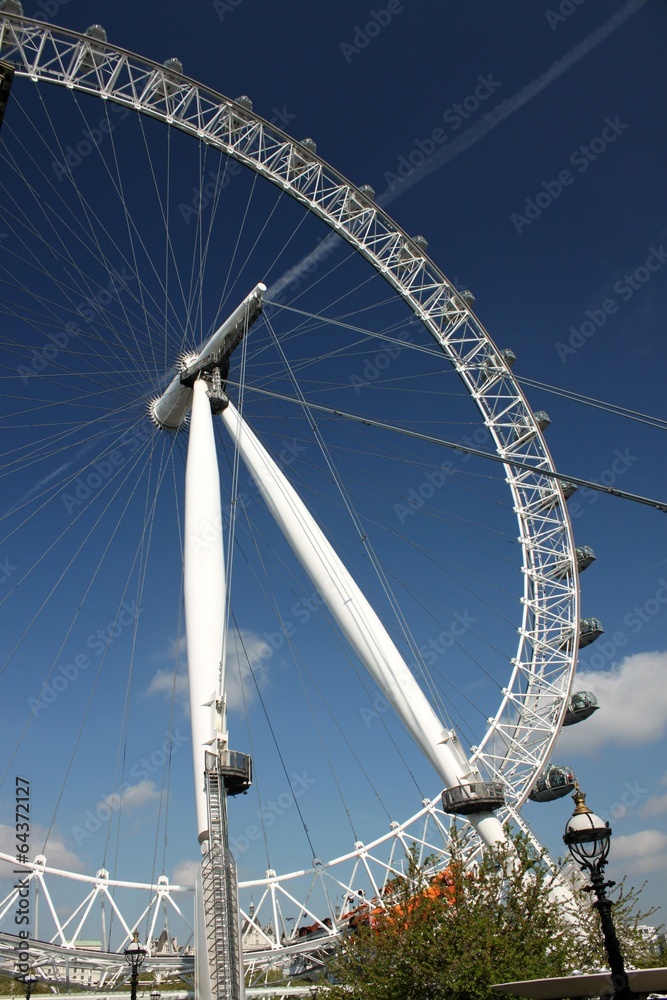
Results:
<point x="587" y="838"/>
<point x="135" y="955"/>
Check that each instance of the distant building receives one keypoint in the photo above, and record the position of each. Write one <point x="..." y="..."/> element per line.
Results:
<point x="164" y="945"/>
<point x="80" y="972"/>
<point x="253" y="938"/>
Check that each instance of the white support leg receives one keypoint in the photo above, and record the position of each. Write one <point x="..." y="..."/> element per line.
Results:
<point x="204" y="590"/>
<point x="356" y="618"/>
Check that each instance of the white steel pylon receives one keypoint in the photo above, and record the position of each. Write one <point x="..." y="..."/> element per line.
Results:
<point x="217" y="770"/>
<point x="204" y="593"/>
<point x="360" y="624"/>
<point x="218" y="965"/>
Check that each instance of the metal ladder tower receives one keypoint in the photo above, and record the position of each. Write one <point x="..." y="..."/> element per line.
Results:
<point x="226" y="773"/>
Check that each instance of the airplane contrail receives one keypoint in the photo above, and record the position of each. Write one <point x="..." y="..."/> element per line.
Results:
<point x="471" y="135"/>
<point x="507" y="107"/>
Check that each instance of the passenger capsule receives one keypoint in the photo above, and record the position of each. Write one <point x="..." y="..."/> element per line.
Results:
<point x="476" y="797"/>
<point x="93" y="56"/>
<point x="553" y="783"/>
<point x="174" y="65"/>
<point x="96" y="32"/>
<point x="590" y="629"/>
<point x="582" y="704"/>
<point x="523" y="430"/>
<point x="584" y="555"/>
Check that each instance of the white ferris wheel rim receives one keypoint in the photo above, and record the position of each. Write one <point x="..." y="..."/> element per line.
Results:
<point x="520" y="737"/>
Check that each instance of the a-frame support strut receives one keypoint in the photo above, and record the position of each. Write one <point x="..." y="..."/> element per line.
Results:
<point x="218" y="772"/>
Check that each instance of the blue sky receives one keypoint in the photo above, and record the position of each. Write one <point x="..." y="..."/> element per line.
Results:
<point x="526" y="143"/>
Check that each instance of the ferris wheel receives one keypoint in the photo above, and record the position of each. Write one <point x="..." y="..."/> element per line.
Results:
<point x="157" y="236"/>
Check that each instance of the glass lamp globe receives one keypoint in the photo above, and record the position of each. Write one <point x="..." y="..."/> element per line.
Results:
<point x="586" y="835"/>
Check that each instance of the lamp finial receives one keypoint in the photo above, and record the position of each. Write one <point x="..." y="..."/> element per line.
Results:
<point x="579" y="798"/>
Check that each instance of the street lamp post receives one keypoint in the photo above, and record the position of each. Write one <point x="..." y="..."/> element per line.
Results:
<point x="28" y="982"/>
<point x="135" y="954"/>
<point x="587" y="838"/>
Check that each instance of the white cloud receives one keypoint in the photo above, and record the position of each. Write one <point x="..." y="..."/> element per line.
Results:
<point x="633" y="705"/>
<point x="173" y="678"/>
<point x="655" y="806"/>
<point x="247" y="658"/>
<point x="165" y="681"/>
<point x="185" y="872"/>
<point x="57" y="853"/>
<point x="131" y="797"/>
<point x="640" y="853"/>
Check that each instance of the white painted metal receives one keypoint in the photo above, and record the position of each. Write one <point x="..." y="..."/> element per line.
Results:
<point x="520" y="736"/>
<point x="367" y="866"/>
<point x="204" y="592"/>
<point x="171" y="409"/>
<point x="202" y="975"/>
<point x="357" y="619"/>
<point x="218" y="967"/>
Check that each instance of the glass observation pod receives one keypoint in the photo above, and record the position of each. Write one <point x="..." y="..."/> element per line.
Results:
<point x="412" y="254"/>
<point x="174" y="70"/>
<point x="584" y="555"/>
<point x="590" y="629"/>
<point x="92" y="55"/>
<point x="301" y="159"/>
<point x="494" y="366"/>
<point x="96" y="32"/>
<point x="555" y="782"/>
<point x="477" y="796"/>
<point x="582" y="705"/>
<point x="523" y="430"/>
<point x="550" y="501"/>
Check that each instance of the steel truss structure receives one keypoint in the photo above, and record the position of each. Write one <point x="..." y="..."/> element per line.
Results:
<point x="520" y="736"/>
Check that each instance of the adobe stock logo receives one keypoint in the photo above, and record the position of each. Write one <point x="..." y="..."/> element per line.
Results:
<point x="91" y="140"/>
<point x="566" y="8"/>
<point x="41" y="357"/>
<point x="624" y="289"/>
<point x="582" y="157"/>
<point x="103" y="469"/>
<point x="98" y="642"/>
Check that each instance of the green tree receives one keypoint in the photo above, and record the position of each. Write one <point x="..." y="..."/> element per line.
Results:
<point x="638" y="952"/>
<point x="451" y="937"/>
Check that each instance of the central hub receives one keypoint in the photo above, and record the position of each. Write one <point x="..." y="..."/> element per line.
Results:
<point x="170" y="410"/>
